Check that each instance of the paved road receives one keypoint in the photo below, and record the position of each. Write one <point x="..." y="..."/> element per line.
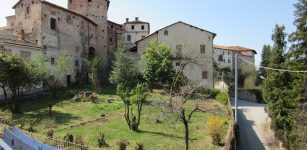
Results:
<point x="251" y="119"/>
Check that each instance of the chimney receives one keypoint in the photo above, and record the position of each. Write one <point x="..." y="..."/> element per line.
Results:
<point x="127" y="20"/>
<point x="136" y="19"/>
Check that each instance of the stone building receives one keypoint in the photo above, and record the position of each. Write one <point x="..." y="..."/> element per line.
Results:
<point x="186" y="42"/>
<point x="224" y="56"/>
<point x="134" y="30"/>
<point x="81" y="30"/>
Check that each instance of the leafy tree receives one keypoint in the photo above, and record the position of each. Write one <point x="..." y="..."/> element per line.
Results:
<point x="53" y="79"/>
<point x="277" y="87"/>
<point x="265" y="59"/>
<point x="17" y="75"/>
<point x="94" y="74"/>
<point x="157" y="63"/>
<point x="124" y="70"/>
<point x="298" y="50"/>
<point x="139" y="96"/>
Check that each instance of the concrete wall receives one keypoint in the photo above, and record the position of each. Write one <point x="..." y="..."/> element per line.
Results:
<point x="191" y="39"/>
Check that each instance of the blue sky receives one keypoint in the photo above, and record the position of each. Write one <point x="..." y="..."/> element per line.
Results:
<point x="247" y="23"/>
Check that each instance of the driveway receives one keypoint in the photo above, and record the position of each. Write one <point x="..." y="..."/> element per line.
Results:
<point x="252" y="120"/>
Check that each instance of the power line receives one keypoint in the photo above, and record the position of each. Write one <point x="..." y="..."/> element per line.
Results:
<point x="281" y="70"/>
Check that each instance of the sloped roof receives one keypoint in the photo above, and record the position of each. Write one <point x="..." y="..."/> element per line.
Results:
<point x="9" y="38"/>
<point x="234" y="48"/>
<point x="136" y="22"/>
<point x="214" y="34"/>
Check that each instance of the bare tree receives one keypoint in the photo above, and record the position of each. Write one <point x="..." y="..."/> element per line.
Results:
<point x="179" y="93"/>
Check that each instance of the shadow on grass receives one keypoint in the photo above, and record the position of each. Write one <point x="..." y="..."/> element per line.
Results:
<point x="59" y="117"/>
<point x="165" y="135"/>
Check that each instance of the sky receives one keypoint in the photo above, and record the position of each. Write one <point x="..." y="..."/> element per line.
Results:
<point x="247" y="23"/>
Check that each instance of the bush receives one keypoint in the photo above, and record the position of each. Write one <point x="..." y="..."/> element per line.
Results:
<point x="139" y="146"/>
<point x="79" y="140"/>
<point x="211" y="93"/>
<point x="6" y="118"/>
<point x="215" y="126"/>
<point x="122" y="144"/>
<point x="222" y="98"/>
<point x="102" y="142"/>
<point x="50" y="133"/>
<point x="69" y="138"/>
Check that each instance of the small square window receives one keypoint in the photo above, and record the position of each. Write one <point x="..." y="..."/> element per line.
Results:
<point x="205" y="75"/>
<point x="52" y="61"/>
<point x="178" y="63"/>
<point x="143" y="27"/>
<point x="132" y="27"/>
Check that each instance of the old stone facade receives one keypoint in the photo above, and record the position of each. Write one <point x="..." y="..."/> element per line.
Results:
<point x="81" y="30"/>
<point x="186" y="42"/>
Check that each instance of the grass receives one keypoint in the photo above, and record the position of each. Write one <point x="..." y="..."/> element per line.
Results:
<point x="77" y="118"/>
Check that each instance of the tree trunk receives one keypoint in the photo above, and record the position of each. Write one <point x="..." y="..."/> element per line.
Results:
<point x="186" y="127"/>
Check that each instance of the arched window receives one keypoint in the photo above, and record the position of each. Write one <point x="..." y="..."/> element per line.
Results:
<point x="166" y="33"/>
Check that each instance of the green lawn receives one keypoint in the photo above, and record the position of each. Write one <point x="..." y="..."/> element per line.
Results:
<point x="77" y="118"/>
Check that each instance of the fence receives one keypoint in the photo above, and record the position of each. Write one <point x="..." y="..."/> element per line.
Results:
<point x="56" y="143"/>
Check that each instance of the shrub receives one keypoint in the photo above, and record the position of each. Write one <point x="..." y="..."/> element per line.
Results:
<point x="69" y="138"/>
<point x="139" y="146"/>
<point x="215" y="126"/>
<point x="50" y="133"/>
<point x="222" y="98"/>
<point x="79" y="140"/>
<point x="211" y="93"/>
<point x="102" y="142"/>
<point x="122" y="144"/>
<point x="6" y="118"/>
<point x="33" y="123"/>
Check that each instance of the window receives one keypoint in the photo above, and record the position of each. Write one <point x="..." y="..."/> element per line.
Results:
<point x="205" y="75"/>
<point x="178" y="50"/>
<point x="132" y="27"/>
<point x="229" y="61"/>
<point x="228" y="53"/>
<point x="111" y="40"/>
<point x="224" y="61"/>
<point x="178" y="63"/>
<point x="70" y="1"/>
<point x="129" y="38"/>
<point x="165" y="33"/>
<point x="143" y="27"/>
<point x="112" y="26"/>
<point x="202" y="49"/>
<point x="52" y="61"/>
<point x="25" y="54"/>
<point x="53" y="23"/>
<point x="77" y="63"/>
<point x="89" y="0"/>
<point x="220" y="57"/>
<point x="32" y="2"/>
<point x="28" y="10"/>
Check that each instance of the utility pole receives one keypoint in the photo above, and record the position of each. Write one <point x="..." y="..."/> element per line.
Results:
<point x="236" y="88"/>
